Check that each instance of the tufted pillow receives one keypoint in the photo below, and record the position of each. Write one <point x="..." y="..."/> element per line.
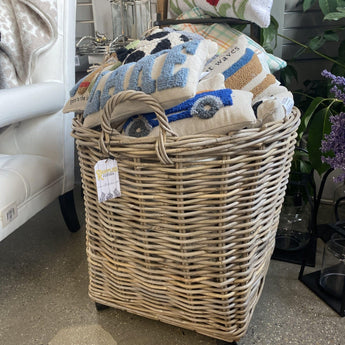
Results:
<point x="225" y="36"/>
<point x="170" y="76"/>
<point x="243" y="70"/>
<point x="80" y="93"/>
<point x="212" y="112"/>
<point x="157" y="41"/>
<point x="256" y="11"/>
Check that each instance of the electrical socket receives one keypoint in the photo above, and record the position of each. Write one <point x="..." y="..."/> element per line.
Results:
<point x="8" y="214"/>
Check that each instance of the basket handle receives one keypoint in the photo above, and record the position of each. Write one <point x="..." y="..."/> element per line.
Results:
<point x="131" y="95"/>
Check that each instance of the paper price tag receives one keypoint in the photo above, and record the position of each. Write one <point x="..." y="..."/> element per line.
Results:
<point x="107" y="180"/>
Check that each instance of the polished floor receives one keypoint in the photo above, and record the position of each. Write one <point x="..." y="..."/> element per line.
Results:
<point x="44" y="299"/>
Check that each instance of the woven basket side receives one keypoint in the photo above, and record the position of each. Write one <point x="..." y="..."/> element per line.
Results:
<point x="187" y="243"/>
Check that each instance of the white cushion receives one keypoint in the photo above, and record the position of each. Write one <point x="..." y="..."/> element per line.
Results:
<point x="25" y="102"/>
<point x="23" y="176"/>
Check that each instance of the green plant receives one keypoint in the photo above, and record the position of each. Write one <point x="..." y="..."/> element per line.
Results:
<point x="315" y="99"/>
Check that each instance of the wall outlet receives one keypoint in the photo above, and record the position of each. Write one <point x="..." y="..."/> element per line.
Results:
<point x="8" y="214"/>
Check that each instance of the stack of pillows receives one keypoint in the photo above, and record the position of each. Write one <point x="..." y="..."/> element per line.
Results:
<point x="204" y="87"/>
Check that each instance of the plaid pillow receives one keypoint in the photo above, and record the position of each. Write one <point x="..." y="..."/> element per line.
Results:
<point x="225" y="36"/>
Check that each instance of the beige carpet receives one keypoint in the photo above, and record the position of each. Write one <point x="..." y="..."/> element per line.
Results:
<point x="85" y="335"/>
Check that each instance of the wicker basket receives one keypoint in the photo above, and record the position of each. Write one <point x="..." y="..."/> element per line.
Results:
<point x="190" y="239"/>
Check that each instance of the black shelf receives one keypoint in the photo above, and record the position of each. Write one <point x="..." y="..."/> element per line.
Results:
<point x="306" y="253"/>
<point x="311" y="280"/>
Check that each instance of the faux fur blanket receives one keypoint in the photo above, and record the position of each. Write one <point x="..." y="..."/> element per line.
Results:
<point x="27" y="27"/>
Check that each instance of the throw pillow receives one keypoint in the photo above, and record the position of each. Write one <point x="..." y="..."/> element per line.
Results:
<point x="213" y="112"/>
<point x="80" y="93"/>
<point x="157" y="41"/>
<point x="170" y="76"/>
<point x="225" y="36"/>
<point x="256" y="11"/>
<point x="241" y="68"/>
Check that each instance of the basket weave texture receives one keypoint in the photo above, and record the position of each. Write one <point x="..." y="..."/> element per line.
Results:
<point x="190" y="239"/>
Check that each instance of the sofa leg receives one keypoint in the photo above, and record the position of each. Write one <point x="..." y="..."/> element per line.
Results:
<point x="68" y="211"/>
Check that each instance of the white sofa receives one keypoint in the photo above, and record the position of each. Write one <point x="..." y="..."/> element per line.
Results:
<point x="36" y="148"/>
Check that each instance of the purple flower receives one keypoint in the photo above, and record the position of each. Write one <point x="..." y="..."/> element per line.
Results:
<point x="338" y="84"/>
<point x="333" y="145"/>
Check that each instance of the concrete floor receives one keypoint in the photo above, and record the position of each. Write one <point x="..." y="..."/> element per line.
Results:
<point x="44" y="299"/>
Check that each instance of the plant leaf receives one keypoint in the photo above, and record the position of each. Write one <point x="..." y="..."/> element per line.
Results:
<point x="305" y="167"/>
<point x="339" y="70"/>
<point x="328" y="6"/>
<point x="288" y="74"/>
<point x="330" y="35"/>
<point x="316" y="42"/>
<point x="307" y="4"/>
<point x="239" y="27"/>
<point x="269" y="35"/>
<point x="318" y="127"/>
<point x="334" y="16"/>
<point x="306" y="117"/>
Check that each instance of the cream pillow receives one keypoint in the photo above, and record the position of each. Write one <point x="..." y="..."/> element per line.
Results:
<point x="213" y="112"/>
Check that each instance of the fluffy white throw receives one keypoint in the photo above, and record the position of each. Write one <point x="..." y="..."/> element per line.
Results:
<point x="28" y="27"/>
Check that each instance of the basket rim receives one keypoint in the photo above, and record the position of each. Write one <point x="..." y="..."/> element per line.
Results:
<point x="82" y="132"/>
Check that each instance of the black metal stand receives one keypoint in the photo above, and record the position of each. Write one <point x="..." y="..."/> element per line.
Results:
<point x="324" y="232"/>
<point x="311" y="280"/>
<point x="297" y="256"/>
<point x="304" y="184"/>
<point x="68" y="211"/>
<point x="211" y="20"/>
<point x="254" y="29"/>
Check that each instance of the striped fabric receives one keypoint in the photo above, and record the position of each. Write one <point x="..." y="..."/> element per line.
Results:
<point x="225" y="36"/>
<point x="242" y="69"/>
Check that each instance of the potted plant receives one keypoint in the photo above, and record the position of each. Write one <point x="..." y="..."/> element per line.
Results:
<point x="318" y="143"/>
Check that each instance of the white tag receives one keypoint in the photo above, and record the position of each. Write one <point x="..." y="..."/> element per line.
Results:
<point x="9" y="213"/>
<point x="107" y="179"/>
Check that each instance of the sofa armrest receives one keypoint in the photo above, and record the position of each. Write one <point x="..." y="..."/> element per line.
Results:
<point x="29" y="101"/>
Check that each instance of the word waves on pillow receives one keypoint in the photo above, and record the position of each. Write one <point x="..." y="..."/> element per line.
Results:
<point x="256" y="11"/>
<point x="170" y="76"/>
<point x="243" y="70"/>
<point x="213" y="112"/>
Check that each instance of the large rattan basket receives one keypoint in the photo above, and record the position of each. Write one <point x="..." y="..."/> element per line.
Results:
<point x="190" y="239"/>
